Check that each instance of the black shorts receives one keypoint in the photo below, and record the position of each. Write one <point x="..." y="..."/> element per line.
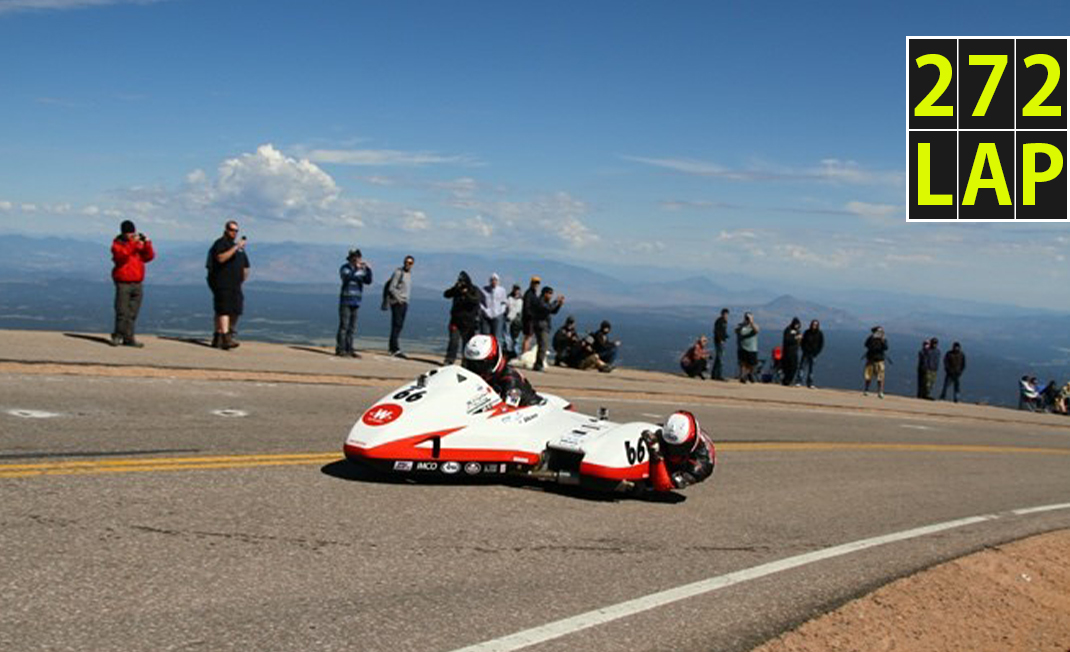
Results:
<point x="227" y="300"/>
<point x="528" y="327"/>
<point x="749" y="358"/>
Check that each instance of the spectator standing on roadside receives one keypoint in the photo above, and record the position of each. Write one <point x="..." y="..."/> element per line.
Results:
<point x="932" y="368"/>
<point x="695" y="359"/>
<point x="954" y="365"/>
<point x="396" y="297"/>
<point x="813" y="341"/>
<point x="492" y="310"/>
<point x="876" y="349"/>
<point x="542" y="312"/>
<point x="514" y="311"/>
<point x="130" y="251"/>
<point x="720" y="336"/>
<point x="531" y="297"/>
<point x="923" y="357"/>
<point x="355" y="274"/>
<point x="228" y="269"/>
<point x="789" y="362"/>
<point x="747" y="342"/>
<point x="464" y="315"/>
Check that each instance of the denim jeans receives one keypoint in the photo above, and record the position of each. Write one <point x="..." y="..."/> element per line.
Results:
<point x="397" y="322"/>
<point x="347" y="324"/>
<point x="718" y="365"/>
<point x="807" y="364"/>
<point x="609" y="356"/>
<point x="953" y="380"/>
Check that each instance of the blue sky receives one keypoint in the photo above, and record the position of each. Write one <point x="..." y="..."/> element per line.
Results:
<point x="756" y="138"/>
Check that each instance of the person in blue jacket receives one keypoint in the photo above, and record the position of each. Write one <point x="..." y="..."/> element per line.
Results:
<point x="355" y="275"/>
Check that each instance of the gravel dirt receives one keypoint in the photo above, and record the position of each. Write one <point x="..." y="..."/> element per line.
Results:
<point x="1014" y="597"/>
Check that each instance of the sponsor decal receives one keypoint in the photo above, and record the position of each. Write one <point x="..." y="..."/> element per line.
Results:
<point x="380" y="415"/>
<point x="472" y="468"/>
<point x="427" y="466"/>
<point x="522" y="460"/>
<point x="402" y="466"/>
<point x="451" y="467"/>
<point x="481" y="401"/>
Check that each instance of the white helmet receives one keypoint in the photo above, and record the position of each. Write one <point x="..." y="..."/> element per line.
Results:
<point x="483" y="355"/>
<point x="681" y="431"/>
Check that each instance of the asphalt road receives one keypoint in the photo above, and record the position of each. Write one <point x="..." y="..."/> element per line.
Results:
<point x="211" y="515"/>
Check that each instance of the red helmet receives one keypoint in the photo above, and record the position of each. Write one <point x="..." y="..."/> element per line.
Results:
<point x="483" y="356"/>
<point x="680" y="433"/>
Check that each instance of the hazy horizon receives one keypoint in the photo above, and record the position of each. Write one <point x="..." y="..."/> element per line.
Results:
<point x="596" y="133"/>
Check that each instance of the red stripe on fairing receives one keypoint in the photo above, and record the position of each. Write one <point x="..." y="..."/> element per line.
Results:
<point x="406" y="449"/>
<point x="636" y="472"/>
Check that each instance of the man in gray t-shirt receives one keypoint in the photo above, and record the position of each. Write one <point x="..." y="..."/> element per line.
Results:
<point x="396" y="297"/>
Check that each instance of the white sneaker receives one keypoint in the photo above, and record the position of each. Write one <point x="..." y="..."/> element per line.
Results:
<point x="880" y="395"/>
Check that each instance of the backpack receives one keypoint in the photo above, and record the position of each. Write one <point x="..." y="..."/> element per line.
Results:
<point x="386" y="294"/>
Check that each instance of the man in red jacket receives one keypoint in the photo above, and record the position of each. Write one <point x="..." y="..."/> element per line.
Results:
<point x="130" y="251"/>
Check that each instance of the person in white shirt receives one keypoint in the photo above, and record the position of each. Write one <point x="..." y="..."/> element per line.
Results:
<point x="514" y="319"/>
<point x="492" y="311"/>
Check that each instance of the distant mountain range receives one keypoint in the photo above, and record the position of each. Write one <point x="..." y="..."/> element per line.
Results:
<point x="64" y="284"/>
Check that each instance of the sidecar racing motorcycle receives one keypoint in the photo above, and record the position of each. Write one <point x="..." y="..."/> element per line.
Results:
<point x="449" y="422"/>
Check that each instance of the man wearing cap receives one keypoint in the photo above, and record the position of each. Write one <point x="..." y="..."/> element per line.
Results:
<point x="531" y="297"/>
<point x="542" y="312"/>
<point x="355" y="274"/>
<point x="129" y="251"/>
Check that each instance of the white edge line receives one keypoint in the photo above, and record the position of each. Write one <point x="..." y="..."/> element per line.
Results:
<point x="566" y="626"/>
<point x="1044" y="508"/>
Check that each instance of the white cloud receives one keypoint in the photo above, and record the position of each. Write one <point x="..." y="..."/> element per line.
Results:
<point x="384" y="157"/>
<point x="378" y="180"/>
<point x="414" y="220"/>
<point x="646" y="247"/>
<point x="685" y="165"/>
<point x="727" y="236"/>
<point x="460" y="188"/>
<point x="872" y="211"/>
<point x="547" y="221"/>
<point x="12" y="6"/>
<point x="684" y="204"/>
<point x="910" y="258"/>
<point x="480" y="225"/>
<point x="268" y="185"/>
<point x="830" y="170"/>
<point x="6" y="206"/>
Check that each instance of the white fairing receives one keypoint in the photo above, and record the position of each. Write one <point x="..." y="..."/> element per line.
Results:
<point x="453" y="420"/>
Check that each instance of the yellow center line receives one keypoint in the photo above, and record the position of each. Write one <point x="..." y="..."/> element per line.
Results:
<point x="144" y="465"/>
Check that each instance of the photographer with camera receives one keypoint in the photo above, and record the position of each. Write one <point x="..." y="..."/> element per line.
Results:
<point x="464" y="315"/>
<point x="355" y="274"/>
<point x="129" y="251"/>
<point x="228" y="268"/>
